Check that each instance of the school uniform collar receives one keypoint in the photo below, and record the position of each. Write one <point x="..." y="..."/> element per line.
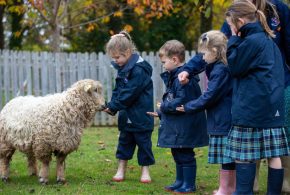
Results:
<point x="134" y="58"/>
<point x="167" y="77"/>
<point x="251" y="28"/>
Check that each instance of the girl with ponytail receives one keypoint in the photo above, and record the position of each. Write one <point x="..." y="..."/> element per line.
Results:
<point x="256" y="65"/>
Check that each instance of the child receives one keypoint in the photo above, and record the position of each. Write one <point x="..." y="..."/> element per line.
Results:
<point x="132" y="97"/>
<point x="277" y="14"/>
<point x="256" y="65"/>
<point x="217" y="100"/>
<point x="181" y="132"/>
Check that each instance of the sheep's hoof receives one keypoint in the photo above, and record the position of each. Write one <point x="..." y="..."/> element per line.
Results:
<point x="61" y="181"/>
<point x="5" y="179"/>
<point x="43" y="181"/>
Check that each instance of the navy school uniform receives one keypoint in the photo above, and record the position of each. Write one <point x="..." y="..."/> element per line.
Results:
<point x="217" y="100"/>
<point x="256" y="65"/>
<point x="281" y="28"/>
<point x="133" y="97"/>
<point x="181" y="131"/>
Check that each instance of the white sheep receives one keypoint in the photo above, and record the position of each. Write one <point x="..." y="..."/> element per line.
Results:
<point x="40" y="126"/>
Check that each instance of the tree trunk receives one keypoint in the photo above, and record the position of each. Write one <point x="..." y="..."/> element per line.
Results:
<point x="205" y="17"/>
<point x="2" y="43"/>
<point x="55" y="44"/>
<point x="15" y="41"/>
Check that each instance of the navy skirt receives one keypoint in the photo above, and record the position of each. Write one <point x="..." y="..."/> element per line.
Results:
<point x="250" y="144"/>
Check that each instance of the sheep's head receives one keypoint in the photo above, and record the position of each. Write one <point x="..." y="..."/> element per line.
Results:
<point x="92" y="90"/>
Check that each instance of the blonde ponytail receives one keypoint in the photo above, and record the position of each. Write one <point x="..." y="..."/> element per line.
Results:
<point x="262" y="18"/>
<point x="246" y="9"/>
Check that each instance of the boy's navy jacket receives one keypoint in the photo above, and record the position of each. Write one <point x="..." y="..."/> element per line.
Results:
<point x="217" y="99"/>
<point x="281" y="28"/>
<point x="133" y="95"/>
<point x="256" y="65"/>
<point x="179" y="129"/>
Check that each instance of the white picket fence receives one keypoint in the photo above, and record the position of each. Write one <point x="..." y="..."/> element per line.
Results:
<point x="40" y="73"/>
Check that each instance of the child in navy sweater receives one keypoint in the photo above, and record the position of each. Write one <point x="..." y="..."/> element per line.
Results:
<point x="182" y="132"/>
<point x="256" y="65"/>
<point x="217" y="100"/>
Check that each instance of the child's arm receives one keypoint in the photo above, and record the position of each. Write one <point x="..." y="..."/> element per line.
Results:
<point x="169" y="106"/>
<point x="226" y="30"/>
<point x="218" y="86"/>
<point x="240" y="55"/>
<point x="194" y="66"/>
<point x="127" y="95"/>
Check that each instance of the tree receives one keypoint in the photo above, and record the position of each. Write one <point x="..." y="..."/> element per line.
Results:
<point x="63" y="14"/>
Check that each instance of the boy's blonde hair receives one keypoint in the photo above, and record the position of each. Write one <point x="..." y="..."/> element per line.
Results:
<point x="173" y="48"/>
<point x="246" y="9"/>
<point x="120" y="43"/>
<point x="214" y="39"/>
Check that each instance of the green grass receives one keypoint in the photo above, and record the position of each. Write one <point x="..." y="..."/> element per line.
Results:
<point x="89" y="170"/>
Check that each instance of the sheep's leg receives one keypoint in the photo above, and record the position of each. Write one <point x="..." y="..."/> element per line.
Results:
<point x="6" y="154"/>
<point x="32" y="165"/>
<point x="44" y="170"/>
<point x="60" y="168"/>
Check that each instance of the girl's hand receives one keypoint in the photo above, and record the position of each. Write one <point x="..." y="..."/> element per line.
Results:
<point x="107" y="110"/>
<point x="183" y="77"/>
<point x="180" y="109"/>
<point x="233" y="27"/>
<point x="154" y="114"/>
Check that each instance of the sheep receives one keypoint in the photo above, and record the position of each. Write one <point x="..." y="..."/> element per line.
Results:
<point x="40" y="126"/>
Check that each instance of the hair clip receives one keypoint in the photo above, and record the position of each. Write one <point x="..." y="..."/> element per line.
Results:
<point x="204" y="37"/>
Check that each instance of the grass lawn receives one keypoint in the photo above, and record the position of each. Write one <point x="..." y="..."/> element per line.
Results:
<point x="89" y="170"/>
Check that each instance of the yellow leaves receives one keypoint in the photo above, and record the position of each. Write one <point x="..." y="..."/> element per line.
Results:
<point x="128" y="28"/>
<point x="90" y="27"/>
<point x="16" y="9"/>
<point x="118" y="14"/>
<point x="88" y="3"/>
<point x="17" y="34"/>
<point x="139" y="10"/>
<point x="3" y="2"/>
<point x="106" y="19"/>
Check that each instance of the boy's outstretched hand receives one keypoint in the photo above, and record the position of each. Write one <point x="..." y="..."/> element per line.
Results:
<point x="180" y="109"/>
<point x="154" y="114"/>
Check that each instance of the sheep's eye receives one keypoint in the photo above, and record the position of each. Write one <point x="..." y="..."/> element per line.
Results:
<point x="96" y="90"/>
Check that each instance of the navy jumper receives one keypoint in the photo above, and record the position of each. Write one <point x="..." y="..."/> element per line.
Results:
<point x="177" y="129"/>
<point x="133" y="97"/>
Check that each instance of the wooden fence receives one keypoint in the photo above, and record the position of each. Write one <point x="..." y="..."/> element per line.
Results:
<point x="40" y="73"/>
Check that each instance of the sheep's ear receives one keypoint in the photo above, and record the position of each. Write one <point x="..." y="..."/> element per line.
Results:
<point x="88" y="88"/>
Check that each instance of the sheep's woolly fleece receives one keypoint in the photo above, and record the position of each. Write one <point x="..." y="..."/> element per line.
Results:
<point x="55" y="122"/>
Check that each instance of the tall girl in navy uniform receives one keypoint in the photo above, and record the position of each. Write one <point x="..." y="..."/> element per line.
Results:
<point x="132" y="97"/>
<point x="256" y="65"/>
<point x="217" y="100"/>
<point x="182" y="132"/>
<point x="278" y="19"/>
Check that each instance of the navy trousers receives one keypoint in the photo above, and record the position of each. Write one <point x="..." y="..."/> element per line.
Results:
<point x="184" y="156"/>
<point x="128" y="142"/>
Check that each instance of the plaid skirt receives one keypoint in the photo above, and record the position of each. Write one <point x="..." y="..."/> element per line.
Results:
<point x="287" y="114"/>
<point x="216" y="149"/>
<point x="250" y="144"/>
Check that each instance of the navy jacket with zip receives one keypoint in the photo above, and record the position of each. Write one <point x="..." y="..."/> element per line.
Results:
<point x="217" y="99"/>
<point x="133" y="95"/>
<point x="281" y="29"/>
<point x="179" y="129"/>
<point x="256" y="65"/>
